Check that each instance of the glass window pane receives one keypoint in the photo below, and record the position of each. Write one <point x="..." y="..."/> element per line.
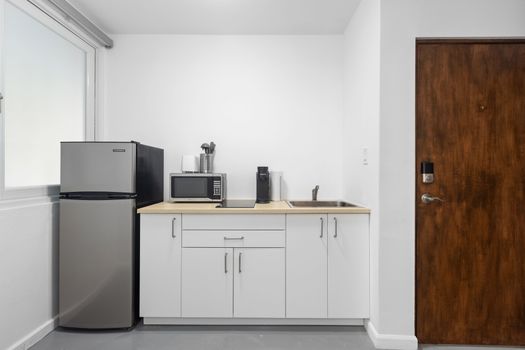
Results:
<point x="45" y="97"/>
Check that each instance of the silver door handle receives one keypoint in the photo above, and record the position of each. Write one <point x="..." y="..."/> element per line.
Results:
<point x="233" y="238"/>
<point x="225" y="262"/>
<point x="173" y="227"/>
<point x="322" y="227"/>
<point x="427" y="198"/>
<point x="335" y="227"/>
<point x="240" y="257"/>
<point x="1" y="100"/>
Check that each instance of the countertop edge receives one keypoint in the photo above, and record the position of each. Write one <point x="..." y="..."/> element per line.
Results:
<point x="281" y="207"/>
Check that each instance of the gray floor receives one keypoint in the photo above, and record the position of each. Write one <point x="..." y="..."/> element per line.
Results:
<point x="211" y="337"/>
<point x="222" y="338"/>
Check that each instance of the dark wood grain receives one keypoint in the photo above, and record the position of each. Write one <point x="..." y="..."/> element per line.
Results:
<point x="470" y="250"/>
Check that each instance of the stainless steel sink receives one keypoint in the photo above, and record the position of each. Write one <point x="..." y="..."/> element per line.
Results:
<point x="321" y="204"/>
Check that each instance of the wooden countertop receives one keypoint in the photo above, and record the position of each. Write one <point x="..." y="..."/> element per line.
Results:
<point x="280" y="207"/>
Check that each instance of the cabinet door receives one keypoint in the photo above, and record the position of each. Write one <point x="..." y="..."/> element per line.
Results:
<point x="306" y="264"/>
<point x="207" y="282"/>
<point x="348" y="266"/>
<point x="160" y="265"/>
<point x="259" y="282"/>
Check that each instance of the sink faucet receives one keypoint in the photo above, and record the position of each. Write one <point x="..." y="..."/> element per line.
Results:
<point x="314" y="192"/>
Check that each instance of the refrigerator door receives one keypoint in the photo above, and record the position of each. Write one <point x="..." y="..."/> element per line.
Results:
<point x="97" y="167"/>
<point x="96" y="263"/>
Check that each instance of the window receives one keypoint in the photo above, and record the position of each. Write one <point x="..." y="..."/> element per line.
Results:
<point x="47" y="84"/>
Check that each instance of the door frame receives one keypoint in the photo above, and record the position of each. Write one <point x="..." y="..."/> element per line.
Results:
<point x="447" y="41"/>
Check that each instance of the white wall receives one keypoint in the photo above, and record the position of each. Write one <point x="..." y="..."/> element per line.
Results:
<point x="361" y="124"/>
<point x="401" y="22"/>
<point x="28" y="270"/>
<point x="465" y="18"/>
<point x="264" y="100"/>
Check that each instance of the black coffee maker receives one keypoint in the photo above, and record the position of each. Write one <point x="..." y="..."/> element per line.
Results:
<point x="263" y="184"/>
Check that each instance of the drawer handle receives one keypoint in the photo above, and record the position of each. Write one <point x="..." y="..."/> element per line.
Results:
<point x="173" y="227"/>
<point x="225" y="262"/>
<point x="322" y="227"/>
<point x="233" y="238"/>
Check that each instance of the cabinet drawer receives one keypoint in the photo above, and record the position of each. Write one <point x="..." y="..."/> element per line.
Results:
<point x="223" y="239"/>
<point x="233" y="222"/>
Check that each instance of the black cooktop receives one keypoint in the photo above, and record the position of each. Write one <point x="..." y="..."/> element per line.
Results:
<point x="237" y="203"/>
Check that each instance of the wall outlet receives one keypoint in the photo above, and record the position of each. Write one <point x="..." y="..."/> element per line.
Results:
<point x="365" y="156"/>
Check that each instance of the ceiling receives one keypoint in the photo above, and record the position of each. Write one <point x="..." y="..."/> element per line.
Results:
<point x="294" y="17"/>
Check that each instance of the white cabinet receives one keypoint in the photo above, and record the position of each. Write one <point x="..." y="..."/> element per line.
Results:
<point x="302" y="266"/>
<point x="207" y="282"/>
<point x="160" y="265"/>
<point x="327" y="272"/>
<point x="306" y="274"/>
<point x="259" y="282"/>
<point x="233" y="266"/>
<point x="233" y="282"/>
<point x="348" y="266"/>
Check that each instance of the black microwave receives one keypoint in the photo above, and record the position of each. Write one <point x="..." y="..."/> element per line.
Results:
<point x="197" y="187"/>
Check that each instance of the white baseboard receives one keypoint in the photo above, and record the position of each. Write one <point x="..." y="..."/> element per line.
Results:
<point x="390" y="341"/>
<point x="252" y="321"/>
<point x="35" y="336"/>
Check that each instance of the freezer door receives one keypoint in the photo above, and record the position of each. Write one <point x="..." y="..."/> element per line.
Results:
<point x="96" y="263"/>
<point x="97" y="167"/>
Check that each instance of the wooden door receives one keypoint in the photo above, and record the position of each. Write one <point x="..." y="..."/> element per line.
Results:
<point x="306" y="265"/>
<point x="207" y="282"/>
<point x="348" y="266"/>
<point x="259" y="283"/>
<point x="470" y="249"/>
<point x="160" y="264"/>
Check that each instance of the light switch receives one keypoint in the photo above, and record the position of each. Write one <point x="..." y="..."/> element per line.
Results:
<point x="365" y="156"/>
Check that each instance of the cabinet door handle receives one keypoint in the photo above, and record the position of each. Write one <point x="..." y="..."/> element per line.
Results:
<point x="240" y="261"/>
<point x="335" y="227"/>
<point x="225" y="262"/>
<point x="322" y="227"/>
<point x="173" y="227"/>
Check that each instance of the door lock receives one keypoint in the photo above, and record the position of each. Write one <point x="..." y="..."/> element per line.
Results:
<point x="427" y="172"/>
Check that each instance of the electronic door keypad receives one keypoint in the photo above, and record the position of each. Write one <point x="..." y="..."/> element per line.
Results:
<point x="427" y="171"/>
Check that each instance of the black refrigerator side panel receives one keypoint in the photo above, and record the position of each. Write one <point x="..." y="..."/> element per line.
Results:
<point x="136" y="266"/>
<point x="150" y="175"/>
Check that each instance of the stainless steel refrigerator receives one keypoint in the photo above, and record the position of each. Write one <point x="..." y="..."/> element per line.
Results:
<point x="102" y="185"/>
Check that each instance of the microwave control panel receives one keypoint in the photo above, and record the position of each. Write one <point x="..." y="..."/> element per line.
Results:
<point x="216" y="187"/>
